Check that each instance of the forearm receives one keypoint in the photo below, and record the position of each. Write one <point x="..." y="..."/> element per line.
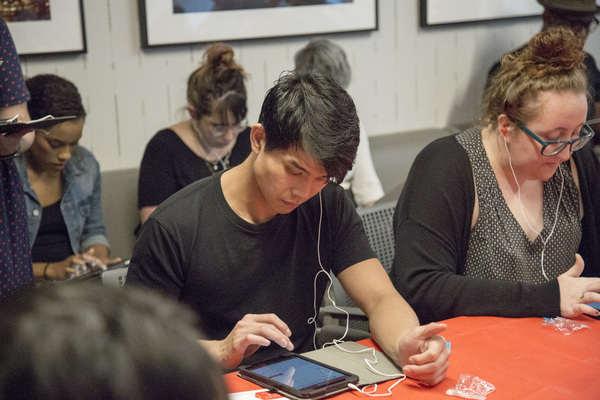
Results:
<point x="38" y="271"/>
<point x="389" y="321"/>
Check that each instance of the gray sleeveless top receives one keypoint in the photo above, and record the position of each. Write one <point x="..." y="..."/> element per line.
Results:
<point x="498" y="246"/>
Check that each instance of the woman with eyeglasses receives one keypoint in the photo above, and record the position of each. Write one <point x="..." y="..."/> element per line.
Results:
<point x="214" y="138"/>
<point x="61" y="183"/>
<point x="503" y="219"/>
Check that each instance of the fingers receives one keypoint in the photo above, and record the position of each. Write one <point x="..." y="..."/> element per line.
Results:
<point x="576" y="270"/>
<point x="426" y="331"/>
<point x="252" y="331"/>
<point x="430" y="373"/>
<point x="576" y="292"/>
<point x="431" y="360"/>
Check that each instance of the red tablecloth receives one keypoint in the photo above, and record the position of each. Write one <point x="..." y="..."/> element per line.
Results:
<point x="522" y="358"/>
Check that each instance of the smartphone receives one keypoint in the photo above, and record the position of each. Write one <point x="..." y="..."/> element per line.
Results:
<point x="298" y="377"/>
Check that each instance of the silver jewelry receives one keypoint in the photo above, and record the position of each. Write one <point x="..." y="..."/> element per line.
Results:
<point x="213" y="166"/>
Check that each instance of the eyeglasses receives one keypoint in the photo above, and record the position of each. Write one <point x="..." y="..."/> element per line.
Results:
<point x="553" y="147"/>
<point x="221" y="129"/>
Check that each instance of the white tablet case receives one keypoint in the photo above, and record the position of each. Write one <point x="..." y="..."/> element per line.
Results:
<point x="355" y="362"/>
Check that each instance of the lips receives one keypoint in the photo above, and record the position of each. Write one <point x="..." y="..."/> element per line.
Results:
<point x="290" y="204"/>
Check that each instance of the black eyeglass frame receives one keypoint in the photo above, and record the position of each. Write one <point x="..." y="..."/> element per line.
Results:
<point x="579" y="143"/>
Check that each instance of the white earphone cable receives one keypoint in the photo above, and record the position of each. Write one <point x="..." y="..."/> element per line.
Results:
<point x="336" y="342"/>
<point x="544" y="241"/>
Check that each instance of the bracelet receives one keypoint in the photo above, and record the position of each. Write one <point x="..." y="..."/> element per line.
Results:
<point x="45" y="269"/>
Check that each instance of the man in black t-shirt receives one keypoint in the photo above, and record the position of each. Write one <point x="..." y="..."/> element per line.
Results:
<point x="580" y="17"/>
<point x="248" y="248"/>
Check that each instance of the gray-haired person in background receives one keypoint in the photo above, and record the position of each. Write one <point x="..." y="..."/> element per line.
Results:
<point x="328" y="58"/>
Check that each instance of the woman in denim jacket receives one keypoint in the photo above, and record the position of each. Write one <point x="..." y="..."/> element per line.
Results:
<point x="61" y="181"/>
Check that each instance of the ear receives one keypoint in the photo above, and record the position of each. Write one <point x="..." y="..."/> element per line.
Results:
<point x="505" y="125"/>
<point x="192" y="112"/>
<point x="257" y="138"/>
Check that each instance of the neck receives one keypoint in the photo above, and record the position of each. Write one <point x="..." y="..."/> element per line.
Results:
<point x="495" y="149"/>
<point x="210" y="153"/>
<point x="242" y="193"/>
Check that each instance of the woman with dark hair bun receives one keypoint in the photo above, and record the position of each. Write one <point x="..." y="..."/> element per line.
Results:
<point x="61" y="182"/>
<point x="216" y="137"/>
<point x="504" y="219"/>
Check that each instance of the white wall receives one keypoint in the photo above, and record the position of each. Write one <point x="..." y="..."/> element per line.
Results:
<point x="405" y="77"/>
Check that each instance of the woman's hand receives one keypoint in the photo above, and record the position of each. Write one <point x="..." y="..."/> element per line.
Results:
<point x="577" y="292"/>
<point x="75" y="265"/>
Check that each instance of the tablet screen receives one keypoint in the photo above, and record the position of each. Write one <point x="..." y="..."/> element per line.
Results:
<point x="300" y="374"/>
<point x="298" y="377"/>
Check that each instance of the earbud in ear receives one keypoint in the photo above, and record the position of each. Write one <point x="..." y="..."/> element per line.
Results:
<point x="510" y="128"/>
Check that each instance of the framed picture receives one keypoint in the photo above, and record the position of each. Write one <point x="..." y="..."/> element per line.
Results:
<point x="45" y="27"/>
<point x="444" y="12"/>
<point x="168" y="22"/>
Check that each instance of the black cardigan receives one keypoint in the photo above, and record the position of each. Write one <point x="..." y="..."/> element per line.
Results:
<point x="432" y="226"/>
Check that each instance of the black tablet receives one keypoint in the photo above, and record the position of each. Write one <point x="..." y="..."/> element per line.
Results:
<point x="298" y="377"/>
<point x="13" y="125"/>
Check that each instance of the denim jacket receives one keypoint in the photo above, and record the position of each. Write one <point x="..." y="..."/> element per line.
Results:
<point x="80" y="204"/>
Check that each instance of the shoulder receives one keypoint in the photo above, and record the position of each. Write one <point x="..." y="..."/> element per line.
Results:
<point x="590" y="62"/>
<point x="163" y="142"/>
<point x="84" y="160"/>
<point x="186" y="200"/>
<point x="588" y="166"/>
<point x="441" y="153"/>
<point x="163" y="136"/>
<point x="443" y="166"/>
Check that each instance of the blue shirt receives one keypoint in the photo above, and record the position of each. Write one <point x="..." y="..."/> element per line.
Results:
<point x="80" y="204"/>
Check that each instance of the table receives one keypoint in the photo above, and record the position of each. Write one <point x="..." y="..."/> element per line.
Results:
<point x="521" y="357"/>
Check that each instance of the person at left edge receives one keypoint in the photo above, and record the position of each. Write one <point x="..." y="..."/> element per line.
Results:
<point x="245" y="248"/>
<point x="15" y="257"/>
<point x="61" y="181"/>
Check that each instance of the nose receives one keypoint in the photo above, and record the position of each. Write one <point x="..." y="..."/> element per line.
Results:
<point x="564" y="154"/>
<point x="65" y="153"/>
<point x="229" y="134"/>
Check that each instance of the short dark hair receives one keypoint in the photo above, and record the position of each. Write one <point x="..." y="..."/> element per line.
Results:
<point x="53" y="95"/>
<point x="311" y="112"/>
<point x="75" y="341"/>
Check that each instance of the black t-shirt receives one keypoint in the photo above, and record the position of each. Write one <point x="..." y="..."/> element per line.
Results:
<point x="198" y="250"/>
<point x="52" y="242"/>
<point x="169" y="165"/>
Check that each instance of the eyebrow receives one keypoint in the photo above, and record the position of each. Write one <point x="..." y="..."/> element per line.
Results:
<point x="296" y="165"/>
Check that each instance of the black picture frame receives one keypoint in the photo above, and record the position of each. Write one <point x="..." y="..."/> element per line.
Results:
<point x="450" y="12"/>
<point x="160" y="25"/>
<point x="63" y="33"/>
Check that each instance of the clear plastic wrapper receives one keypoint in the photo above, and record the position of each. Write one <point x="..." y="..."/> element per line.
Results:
<point x="471" y="387"/>
<point x="564" y="325"/>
